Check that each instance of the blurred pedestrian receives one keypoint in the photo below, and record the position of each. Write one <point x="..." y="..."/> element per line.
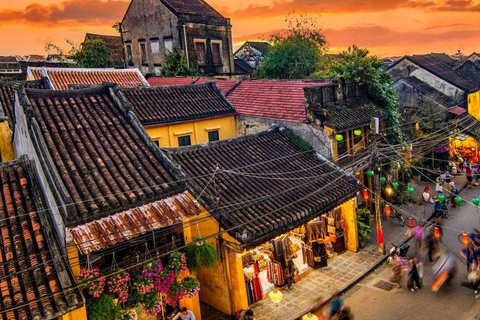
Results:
<point x="345" y="314"/>
<point x="413" y="276"/>
<point x="337" y="304"/>
<point x="396" y="272"/>
<point x="469" y="174"/>
<point x="430" y="243"/>
<point x="418" y="233"/>
<point x="470" y="255"/>
<point x="453" y="194"/>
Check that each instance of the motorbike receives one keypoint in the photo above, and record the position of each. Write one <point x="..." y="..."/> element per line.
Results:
<point x="443" y="271"/>
<point x="398" y="251"/>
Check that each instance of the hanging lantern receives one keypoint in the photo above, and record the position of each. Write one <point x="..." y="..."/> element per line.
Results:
<point x="309" y="316"/>
<point x="379" y="169"/>
<point x="441" y="197"/>
<point x="395" y="185"/>
<point x="410" y="222"/>
<point x="275" y="295"/>
<point x="389" y="190"/>
<point x="410" y="191"/>
<point x="370" y="173"/>
<point x="465" y="239"/>
<point x="436" y="232"/>
<point x="339" y="137"/>
<point x="357" y="132"/>
<point x="388" y="210"/>
<point x="366" y="195"/>
<point x="475" y="201"/>
<point x="249" y="272"/>
<point x="383" y="180"/>
<point x="458" y="200"/>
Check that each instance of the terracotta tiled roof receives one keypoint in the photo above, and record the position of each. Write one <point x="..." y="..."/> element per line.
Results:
<point x="271" y="99"/>
<point x="62" y="78"/>
<point x="125" y="225"/>
<point x="430" y="63"/>
<point x="223" y="85"/>
<point x="169" y="81"/>
<point x="155" y="105"/>
<point x="35" y="281"/>
<point x="268" y="184"/>
<point x="7" y="97"/>
<point x="105" y="160"/>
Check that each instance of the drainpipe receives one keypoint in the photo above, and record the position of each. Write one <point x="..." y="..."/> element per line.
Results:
<point x="186" y="44"/>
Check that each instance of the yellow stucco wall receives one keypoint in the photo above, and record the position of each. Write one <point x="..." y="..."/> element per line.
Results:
<point x="474" y="104"/>
<point x="168" y="135"/>
<point x="6" y="143"/>
<point x="349" y="214"/>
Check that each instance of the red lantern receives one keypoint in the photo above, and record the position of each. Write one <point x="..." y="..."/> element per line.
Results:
<point x="410" y="222"/>
<point x="465" y="239"/>
<point x="388" y="210"/>
<point x="436" y="232"/>
<point x="366" y="195"/>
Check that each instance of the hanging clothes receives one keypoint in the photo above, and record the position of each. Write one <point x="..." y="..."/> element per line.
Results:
<point x="275" y="273"/>
<point x="254" y="286"/>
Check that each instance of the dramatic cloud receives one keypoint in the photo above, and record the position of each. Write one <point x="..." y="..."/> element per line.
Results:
<point x="70" y="11"/>
<point x="459" y="5"/>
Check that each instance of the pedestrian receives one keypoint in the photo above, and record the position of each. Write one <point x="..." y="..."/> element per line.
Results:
<point x="413" y="276"/>
<point x="473" y="277"/>
<point x="184" y="314"/>
<point x="337" y="304"/>
<point x="453" y="194"/>
<point x="430" y="242"/>
<point x="247" y="315"/>
<point x="469" y="174"/>
<point x="418" y="233"/>
<point x="439" y="184"/>
<point x="469" y="254"/>
<point x="396" y="273"/>
<point x="475" y="236"/>
<point x="345" y="314"/>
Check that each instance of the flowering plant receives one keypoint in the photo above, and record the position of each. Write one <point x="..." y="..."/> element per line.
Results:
<point x="118" y="285"/>
<point x="190" y="287"/>
<point x="152" y="304"/>
<point x="174" y="294"/>
<point x="177" y="262"/>
<point x="164" y="280"/>
<point x="129" y="314"/>
<point x="143" y="279"/>
<point x="91" y="279"/>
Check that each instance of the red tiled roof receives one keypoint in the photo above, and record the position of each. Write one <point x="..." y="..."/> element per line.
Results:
<point x="271" y="99"/>
<point x="169" y="81"/>
<point x="104" y="161"/>
<point x="62" y="78"/>
<point x="223" y="85"/>
<point x="155" y="105"/>
<point x="35" y="282"/>
<point x="457" y="110"/>
<point x="125" y="225"/>
<point x="7" y="97"/>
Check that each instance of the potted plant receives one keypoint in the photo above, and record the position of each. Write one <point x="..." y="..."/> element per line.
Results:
<point x="363" y="223"/>
<point x="200" y="254"/>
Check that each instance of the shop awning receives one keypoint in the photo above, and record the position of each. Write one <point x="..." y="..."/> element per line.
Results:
<point x="461" y="136"/>
<point x="457" y="110"/>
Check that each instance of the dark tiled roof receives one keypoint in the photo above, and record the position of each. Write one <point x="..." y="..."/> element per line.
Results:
<point x="63" y="78"/>
<point x="7" y="96"/>
<point x="430" y="63"/>
<point x="104" y="162"/>
<point x="169" y="81"/>
<point x="156" y="105"/>
<point x="113" y="44"/>
<point x="35" y="281"/>
<point x="8" y="59"/>
<point x="198" y="8"/>
<point x="242" y="67"/>
<point x="429" y="91"/>
<point x="275" y="182"/>
<point x="271" y="99"/>
<point x="445" y="58"/>
<point x="470" y="70"/>
<point x="354" y="114"/>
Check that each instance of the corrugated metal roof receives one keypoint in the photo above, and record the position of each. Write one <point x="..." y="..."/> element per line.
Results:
<point x="129" y="224"/>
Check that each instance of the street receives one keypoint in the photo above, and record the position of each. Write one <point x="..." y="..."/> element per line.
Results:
<point x="368" y="300"/>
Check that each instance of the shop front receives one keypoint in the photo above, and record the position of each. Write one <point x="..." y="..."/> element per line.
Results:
<point x="463" y="147"/>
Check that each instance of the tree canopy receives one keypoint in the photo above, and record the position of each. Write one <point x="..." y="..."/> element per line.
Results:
<point x="356" y="64"/>
<point x="90" y="54"/>
<point x="175" y="65"/>
<point x="296" y="53"/>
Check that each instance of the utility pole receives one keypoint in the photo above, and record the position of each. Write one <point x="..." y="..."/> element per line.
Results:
<point x="376" y="185"/>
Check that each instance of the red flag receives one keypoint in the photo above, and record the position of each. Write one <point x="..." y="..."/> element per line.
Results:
<point x="379" y="235"/>
<point x="427" y="188"/>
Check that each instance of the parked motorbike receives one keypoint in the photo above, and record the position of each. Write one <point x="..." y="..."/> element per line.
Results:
<point x="398" y="251"/>
<point x="443" y="271"/>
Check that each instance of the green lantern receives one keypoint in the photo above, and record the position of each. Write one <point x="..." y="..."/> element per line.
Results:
<point x="357" y="132"/>
<point x="395" y="185"/>
<point x="383" y="180"/>
<point x="339" y="137"/>
<point x="458" y="201"/>
<point x="475" y="201"/>
<point x="441" y="197"/>
<point x="370" y="173"/>
<point x="410" y="191"/>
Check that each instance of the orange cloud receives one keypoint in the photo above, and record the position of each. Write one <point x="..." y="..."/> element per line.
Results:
<point x="68" y="12"/>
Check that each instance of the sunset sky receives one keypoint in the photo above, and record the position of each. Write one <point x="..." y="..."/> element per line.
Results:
<point x="386" y="27"/>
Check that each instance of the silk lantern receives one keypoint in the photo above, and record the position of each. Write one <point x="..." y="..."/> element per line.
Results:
<point x="249" y="272"/>
<point x="339" y="137"/>
<point x="410" y="191"/>
<point x="383" y="180"/>
<point x="458" y="200"/>
<point x="395" y="185"/>
<point x="475" y="201"/>
<point x="389" y="190"/>
<point x="388" y="210"/>
<point x="275" y="295"/>
<point x="309" y="316"/>
<point x="441" y="197"/>
<point x="370" y="173"/>
<point x="366" y="195"/>
<point x="357" y="132"/>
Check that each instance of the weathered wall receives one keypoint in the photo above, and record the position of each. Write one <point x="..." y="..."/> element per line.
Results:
<point x="408" y="97"/>
<point x="470" y="71"/>
<point x="314" y="136"/>
<point x="407" y="68"/>
<point x="349" y="214"/>
<point x="6" y="146"/>
<point x="148" y="20"/>
<point x="167" y="135"/>
<point x="474" y="104"/>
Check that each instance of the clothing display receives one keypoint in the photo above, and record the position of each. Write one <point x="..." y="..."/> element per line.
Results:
<point x="275" y="273"/>
<point x="254" y="287"/>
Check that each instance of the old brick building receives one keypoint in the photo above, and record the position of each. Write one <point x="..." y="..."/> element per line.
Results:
<point x="151" y="28"/>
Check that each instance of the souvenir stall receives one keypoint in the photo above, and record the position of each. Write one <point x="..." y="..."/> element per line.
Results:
<point x="283" y="260"/>
<point x="463" y="147"/>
